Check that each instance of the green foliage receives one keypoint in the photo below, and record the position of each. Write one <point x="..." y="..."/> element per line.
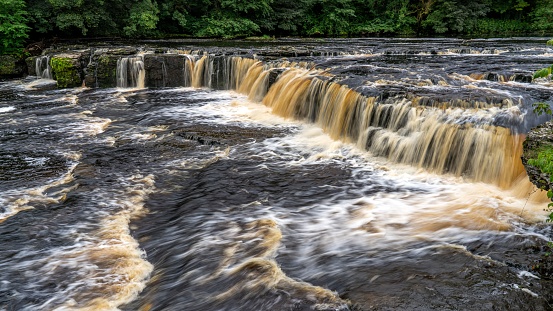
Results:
<point x="542" y="108"/>
<point x="329" y="18"/>
<point x="550" y="216"/>
<point x="142" y="20"/>
<point x="260" y="7"/>
<point x="550" y="42"/>
<point x="544" y="160"/>
<point x="549" y="245"/>
<point x="13" y="26"/>
<point x="543" y="73"/>
<point x="65" y="73"/>
<point x="490" y="26"/>
<point x="454" y="16"/>
<point x="79" y="16"/>
<point x="225" y="26"/>
<point x="288" y="17"/>
<point x="238" y="18"/>
<point x="397" y="18"/>
<point x="542" y="15"/>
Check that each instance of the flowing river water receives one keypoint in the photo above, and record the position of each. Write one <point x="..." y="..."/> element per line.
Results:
<point x="388" y="178"/>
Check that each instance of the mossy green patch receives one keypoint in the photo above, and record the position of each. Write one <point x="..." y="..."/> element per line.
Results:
<point x="65" y="72"/>
<point x="106" y="71"/>
<point x="543" y="160"/>
<point x="7" y="65"/>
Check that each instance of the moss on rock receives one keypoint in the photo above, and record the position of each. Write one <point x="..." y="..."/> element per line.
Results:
<point x="66" y="72"/>
<point x="537" y="147"/>
<point x="11" y="66"/>
<point x="7" y="65"/>
<point x="537" y="158"/>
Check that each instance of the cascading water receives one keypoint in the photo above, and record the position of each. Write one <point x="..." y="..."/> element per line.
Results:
<point x="188" y="69"/>
<point x="131" y="72"/>
<point x="401" y="130"/>
<point x="449" y="140"/>
<point x="42" y="67"/>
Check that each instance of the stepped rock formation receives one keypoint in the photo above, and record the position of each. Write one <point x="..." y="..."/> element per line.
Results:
<point x="362" y="100"/>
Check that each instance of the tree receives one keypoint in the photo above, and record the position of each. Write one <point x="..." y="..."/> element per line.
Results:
<point x="288" y="16"/>
<point x="451" y="16"/>
<point x="13" y="27"/>
<point x="227" y="25"/>
<point x="142" y="20"/>
<point x="329" y="18"/>
<point x="79" y="17"/>
<point x="542" y="15"/>
<point x="379" y="17"/>
<point x="174" y="16"/>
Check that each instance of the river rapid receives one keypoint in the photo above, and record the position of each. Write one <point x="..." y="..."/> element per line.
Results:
<point x="406" y="193"/>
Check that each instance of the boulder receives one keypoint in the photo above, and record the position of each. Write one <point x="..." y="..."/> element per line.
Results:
<point x="67" y="69"/>
<point x="164" y="70"/>
<point x="12" y="66"/>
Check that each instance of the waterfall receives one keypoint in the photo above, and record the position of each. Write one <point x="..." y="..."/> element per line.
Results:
<point x="202" y="72"/>
<point x="440" y="140"/>
<point x="130" y="71"/>
<point x="188" y="70"/>
<point x="446" y="138"/>
<point x="42" y="67"/>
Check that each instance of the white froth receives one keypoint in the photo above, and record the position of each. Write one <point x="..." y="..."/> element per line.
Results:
<point x="6" y="109"/>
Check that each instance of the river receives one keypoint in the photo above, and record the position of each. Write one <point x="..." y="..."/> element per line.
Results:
<point x="375" y="174"/>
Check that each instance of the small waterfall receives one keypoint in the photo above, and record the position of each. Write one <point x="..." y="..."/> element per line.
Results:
<point x="188" y="70"/>
<point x="130" y="72"/>
<point x="203" y="70"/>
<point x="238" y="68"/>
<point x="164" y="74"/>
<point x="42" y="67"/>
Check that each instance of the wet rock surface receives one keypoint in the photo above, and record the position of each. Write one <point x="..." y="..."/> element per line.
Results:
<point x="537" y="139"/>
<point x="164" y="70"/>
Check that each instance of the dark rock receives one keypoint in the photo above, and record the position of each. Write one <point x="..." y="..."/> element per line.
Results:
<point x="36" y="48"/>
<point x="42" y="85"/>
<point x="102" y="71"/>
<point x="164" y="70"/>
<point x="519" y="77"/>
<point x="220" y="77"/>
<point x="273" y="76"/>
<point x="492" y="76"/>
<point x="31" y="68"/>
<point x="11" y="66"/>
<point x="67" y="69"/>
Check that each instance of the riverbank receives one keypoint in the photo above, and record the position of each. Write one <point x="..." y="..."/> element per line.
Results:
<point x="538" y="141"/>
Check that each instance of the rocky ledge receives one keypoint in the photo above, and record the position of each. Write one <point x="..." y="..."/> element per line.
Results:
<point x="539" y="139"/>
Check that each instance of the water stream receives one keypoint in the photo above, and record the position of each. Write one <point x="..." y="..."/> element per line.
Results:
<point x="383" y="180"/>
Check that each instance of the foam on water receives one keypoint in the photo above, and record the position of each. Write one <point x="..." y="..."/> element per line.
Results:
<point x="17" y="200"/>
<point x="6" y="109"/>
<point x="108" y="267"/>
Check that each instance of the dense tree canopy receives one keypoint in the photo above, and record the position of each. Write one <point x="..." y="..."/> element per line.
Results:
<point x="40" y="19"/>
<point x="13" y="25"/>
